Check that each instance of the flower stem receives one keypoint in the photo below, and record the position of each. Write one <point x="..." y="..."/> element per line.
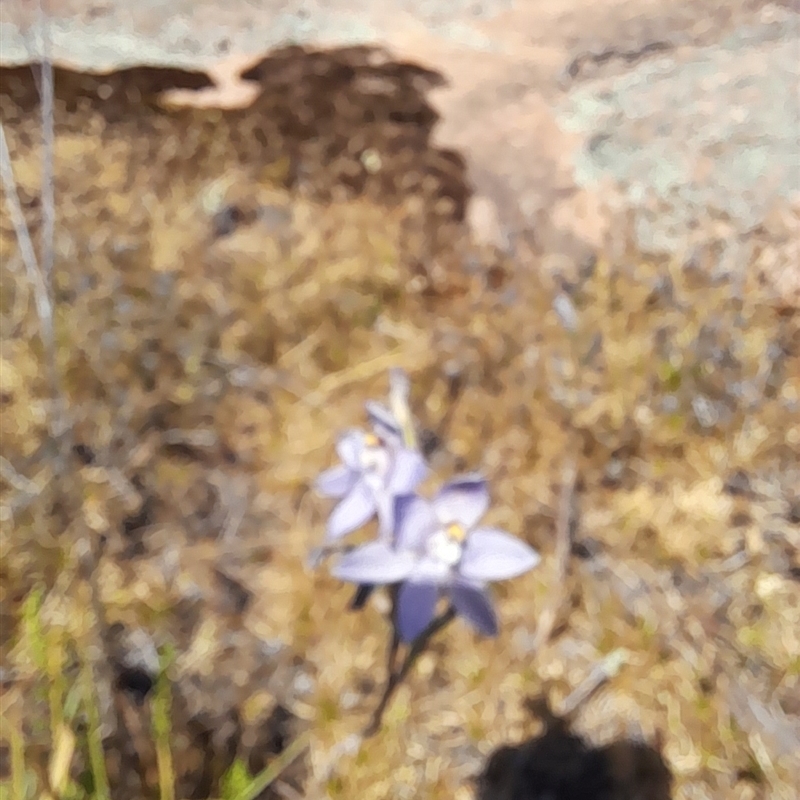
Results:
<point x="397" y="676"/>
<point x="362" y="593"/>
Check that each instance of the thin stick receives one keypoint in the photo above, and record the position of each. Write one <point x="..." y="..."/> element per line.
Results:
<point x="547" y="618"/>
<point x="394" y="646"/>
<point x="44" y="308"/>
<point x="361" y="595"/>
<point x="59" y="423"/>
<point x="46" y="97"/>
<point x="417" y="648"/>
<point x="39" y="274"/>
<point x="394" y="649"/>
<point x="600" y="673"/>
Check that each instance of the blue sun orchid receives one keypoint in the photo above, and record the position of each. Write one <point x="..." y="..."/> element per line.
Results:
<point x="384" y="423"/>
<point x="374" y="470"/>
<point x="439" y="550"/>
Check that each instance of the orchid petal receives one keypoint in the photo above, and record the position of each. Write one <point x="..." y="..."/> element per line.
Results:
<point x="349" y="448"/>
<point x="415" y="520"/>
<point x="386" y="515"/>
<point x="408" y="471"/>
<point x="432" y="570"/>
<point x="355" y="510"/>
<point x="474" y="604"/>
<point x="383" y="421"/>
<point x="463" y="500"/>
<point x="375" y="562"/>
<point x="491" y="554"/>
<point x="336" y="481"/>
<point x="416" y="605"/>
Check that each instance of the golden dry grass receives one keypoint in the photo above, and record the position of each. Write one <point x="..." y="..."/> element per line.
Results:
<point x="207" y="376"/>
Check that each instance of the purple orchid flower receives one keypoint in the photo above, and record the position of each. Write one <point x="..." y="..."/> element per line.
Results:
<point x="384" y="423"/>
<point x="374" y="470"/>
<point x="439" y="550"/>
<point x="394" y="423"/>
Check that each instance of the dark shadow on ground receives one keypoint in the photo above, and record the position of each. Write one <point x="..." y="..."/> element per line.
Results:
<point x="559" y="765"/>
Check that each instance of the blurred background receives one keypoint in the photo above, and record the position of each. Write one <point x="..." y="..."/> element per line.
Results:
<point x="577" y="228"/>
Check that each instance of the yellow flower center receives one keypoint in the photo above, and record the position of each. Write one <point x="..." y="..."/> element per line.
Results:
<point x="374" y="459"/>
<point x="456" y="532"/>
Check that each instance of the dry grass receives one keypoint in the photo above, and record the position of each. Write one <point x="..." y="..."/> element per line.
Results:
<point x="224" y="306"/>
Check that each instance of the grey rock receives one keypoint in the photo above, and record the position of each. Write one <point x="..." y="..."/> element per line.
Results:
<point x="715" y="132"/>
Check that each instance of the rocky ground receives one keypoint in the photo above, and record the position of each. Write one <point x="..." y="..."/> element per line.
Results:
<point x="680" y="112"/>
<point x="590" y="256"/>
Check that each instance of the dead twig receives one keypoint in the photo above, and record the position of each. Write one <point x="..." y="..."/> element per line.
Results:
<point x="46" y="97"/>
<point x="601" y="672"/>
<point x="44" y="308"/>
<point x="40" y="272"/>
